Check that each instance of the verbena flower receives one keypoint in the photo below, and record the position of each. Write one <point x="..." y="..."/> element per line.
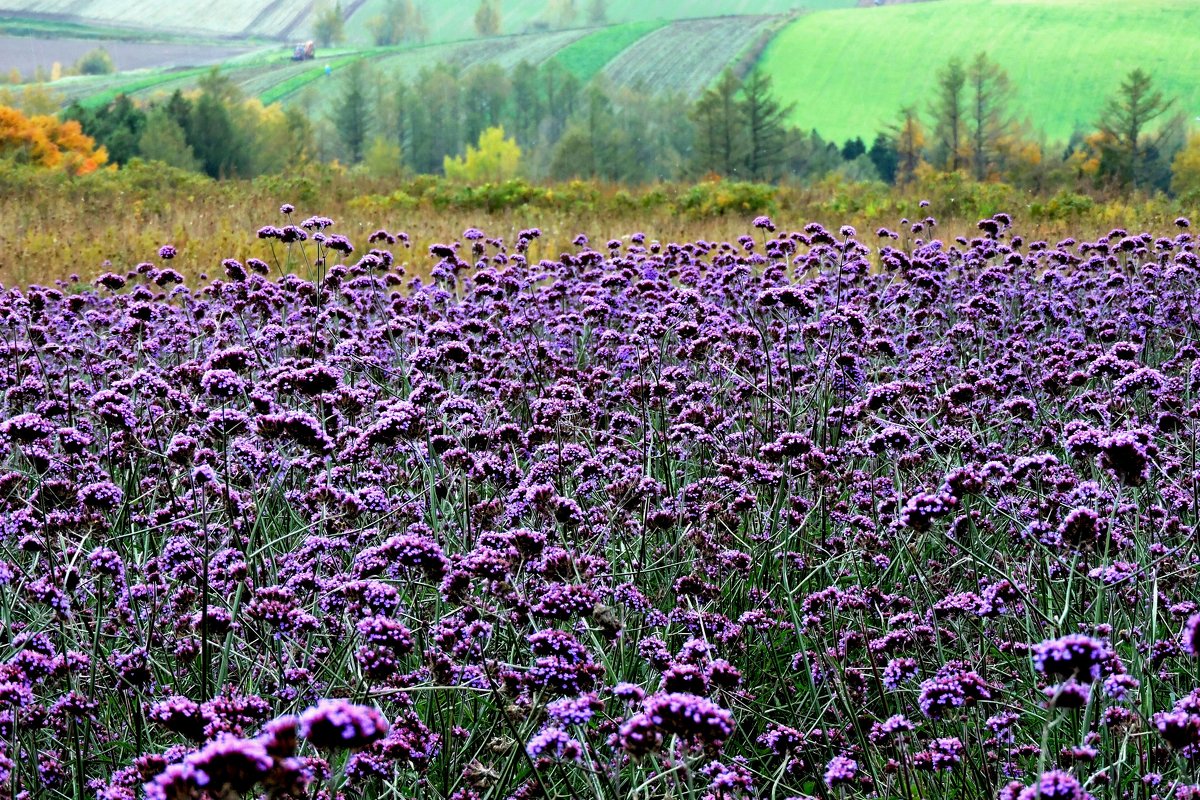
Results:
<point x="1084" y="658"/>
<point x="338" y="725"/>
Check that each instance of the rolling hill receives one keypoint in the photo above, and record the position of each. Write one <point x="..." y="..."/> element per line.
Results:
<point x="688" y="55"/>
<point x="850" y="71"/>
<point x="682" y="56"/>
<point x="449" y="20"/>
<point x="232" y="18"/>
<point x="454" y="17"/>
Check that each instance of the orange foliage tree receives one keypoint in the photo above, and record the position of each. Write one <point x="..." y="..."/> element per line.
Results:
<point x="44" y="141"/>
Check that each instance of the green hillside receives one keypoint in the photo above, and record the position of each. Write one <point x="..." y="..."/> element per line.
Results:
<point x="453" y="18"/>
<point x="683" y="56"/>
<point x="687" y="56"/>
<point x="586" y="57"/>
<point x="232" y="18"/>
<point x="850" y="71"/>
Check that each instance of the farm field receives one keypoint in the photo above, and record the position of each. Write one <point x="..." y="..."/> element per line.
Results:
<point x="559" y="524"/>
<point x="26" y="53"/>
<point x="504" y="51"/>
<point x="849" y="72"/>
<point x="685" y="57"/>
<point x="586" y="57"/>
<point x="682" y="56"/>
<point x="521" y="15"/>
<point x="290" y="18"/>
<point x="236" y="18"/>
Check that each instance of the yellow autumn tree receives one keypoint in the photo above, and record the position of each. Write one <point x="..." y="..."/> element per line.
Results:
<point x="496" y="159"/>
<point x="1185" y="169"/>
<point x="908" y="136"/>
<point x="43" y="141"/>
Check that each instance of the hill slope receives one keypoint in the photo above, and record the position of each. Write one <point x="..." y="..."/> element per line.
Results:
<point x="849" y="72"/>
<point x="683" y="56"/>
<point x="269" y="18"/>
<point x="449" y="20"/>
<point x="454" y="18"/>
<point x="687" y="56"/>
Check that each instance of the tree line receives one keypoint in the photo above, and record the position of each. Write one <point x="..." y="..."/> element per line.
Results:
<point x="972" y="127"/>
<point x="403" y="21"/>
<point x="543" y="123"/>
<point x="215" y="130"/>
<point x="566" y="129"/>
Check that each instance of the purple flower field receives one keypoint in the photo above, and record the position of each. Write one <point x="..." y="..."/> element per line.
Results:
<point x="809" y="514"/>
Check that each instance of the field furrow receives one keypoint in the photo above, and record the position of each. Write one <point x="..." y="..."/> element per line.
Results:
<point x="687" y="56"/>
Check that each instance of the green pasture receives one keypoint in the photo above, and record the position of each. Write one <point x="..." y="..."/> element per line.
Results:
<point x="850" y="71"/>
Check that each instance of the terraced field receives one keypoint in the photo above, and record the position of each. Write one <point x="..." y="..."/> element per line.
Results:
<point x="406" y="63"/>
<point x="506" y="52"/>
<point x="27" y="53"/>
<point x="274" y="77"/>
<point x="453" y="17"/>
<point x="586" y="57"/>
<point x="687" y="56"/>
<point x="450" y="20"/>
<point x="270" y="18"/>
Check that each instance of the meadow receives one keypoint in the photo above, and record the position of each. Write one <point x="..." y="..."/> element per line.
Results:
<point x="850" y="71"/>
<point x="61" y="225"/>
<point x="346" y="482"/>
<point x="804" y="512"/>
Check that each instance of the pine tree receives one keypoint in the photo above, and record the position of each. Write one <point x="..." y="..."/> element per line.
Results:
<point x="909" y="140"/>
<point x="989" y="122"/>
<point x="437" y="118"/>
<point x="853" y="148"/>
<point x="587" y="148"/>
<point x="765" y="126"/>
<point x="180" y="109"/>
<point x="1126" y="116"/>
<point x="352" y="114"/>
<point x="560" y="91"/>
<point x="526" y="106"/>
<point x="949" y="115"/>
<point x="721" y="144"/>
<point x="883" y="156"/>
<point x="117" y="126"/>
<point x="489" y="88"/>
<point x="211" y="134"/>
<point x="487" y="19"/>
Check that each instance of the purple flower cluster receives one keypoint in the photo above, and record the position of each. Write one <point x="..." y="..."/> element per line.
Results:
<point x="694" y="719"/>
<point x="338" y="725"/>
<point x="1077" y="656"/>
<point x="494" y="523"/>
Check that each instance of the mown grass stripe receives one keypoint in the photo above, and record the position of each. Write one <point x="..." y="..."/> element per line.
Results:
<point x="586" y="57"/>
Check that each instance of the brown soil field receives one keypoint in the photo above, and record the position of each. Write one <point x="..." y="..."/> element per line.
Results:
<point x="28" y="53"/>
